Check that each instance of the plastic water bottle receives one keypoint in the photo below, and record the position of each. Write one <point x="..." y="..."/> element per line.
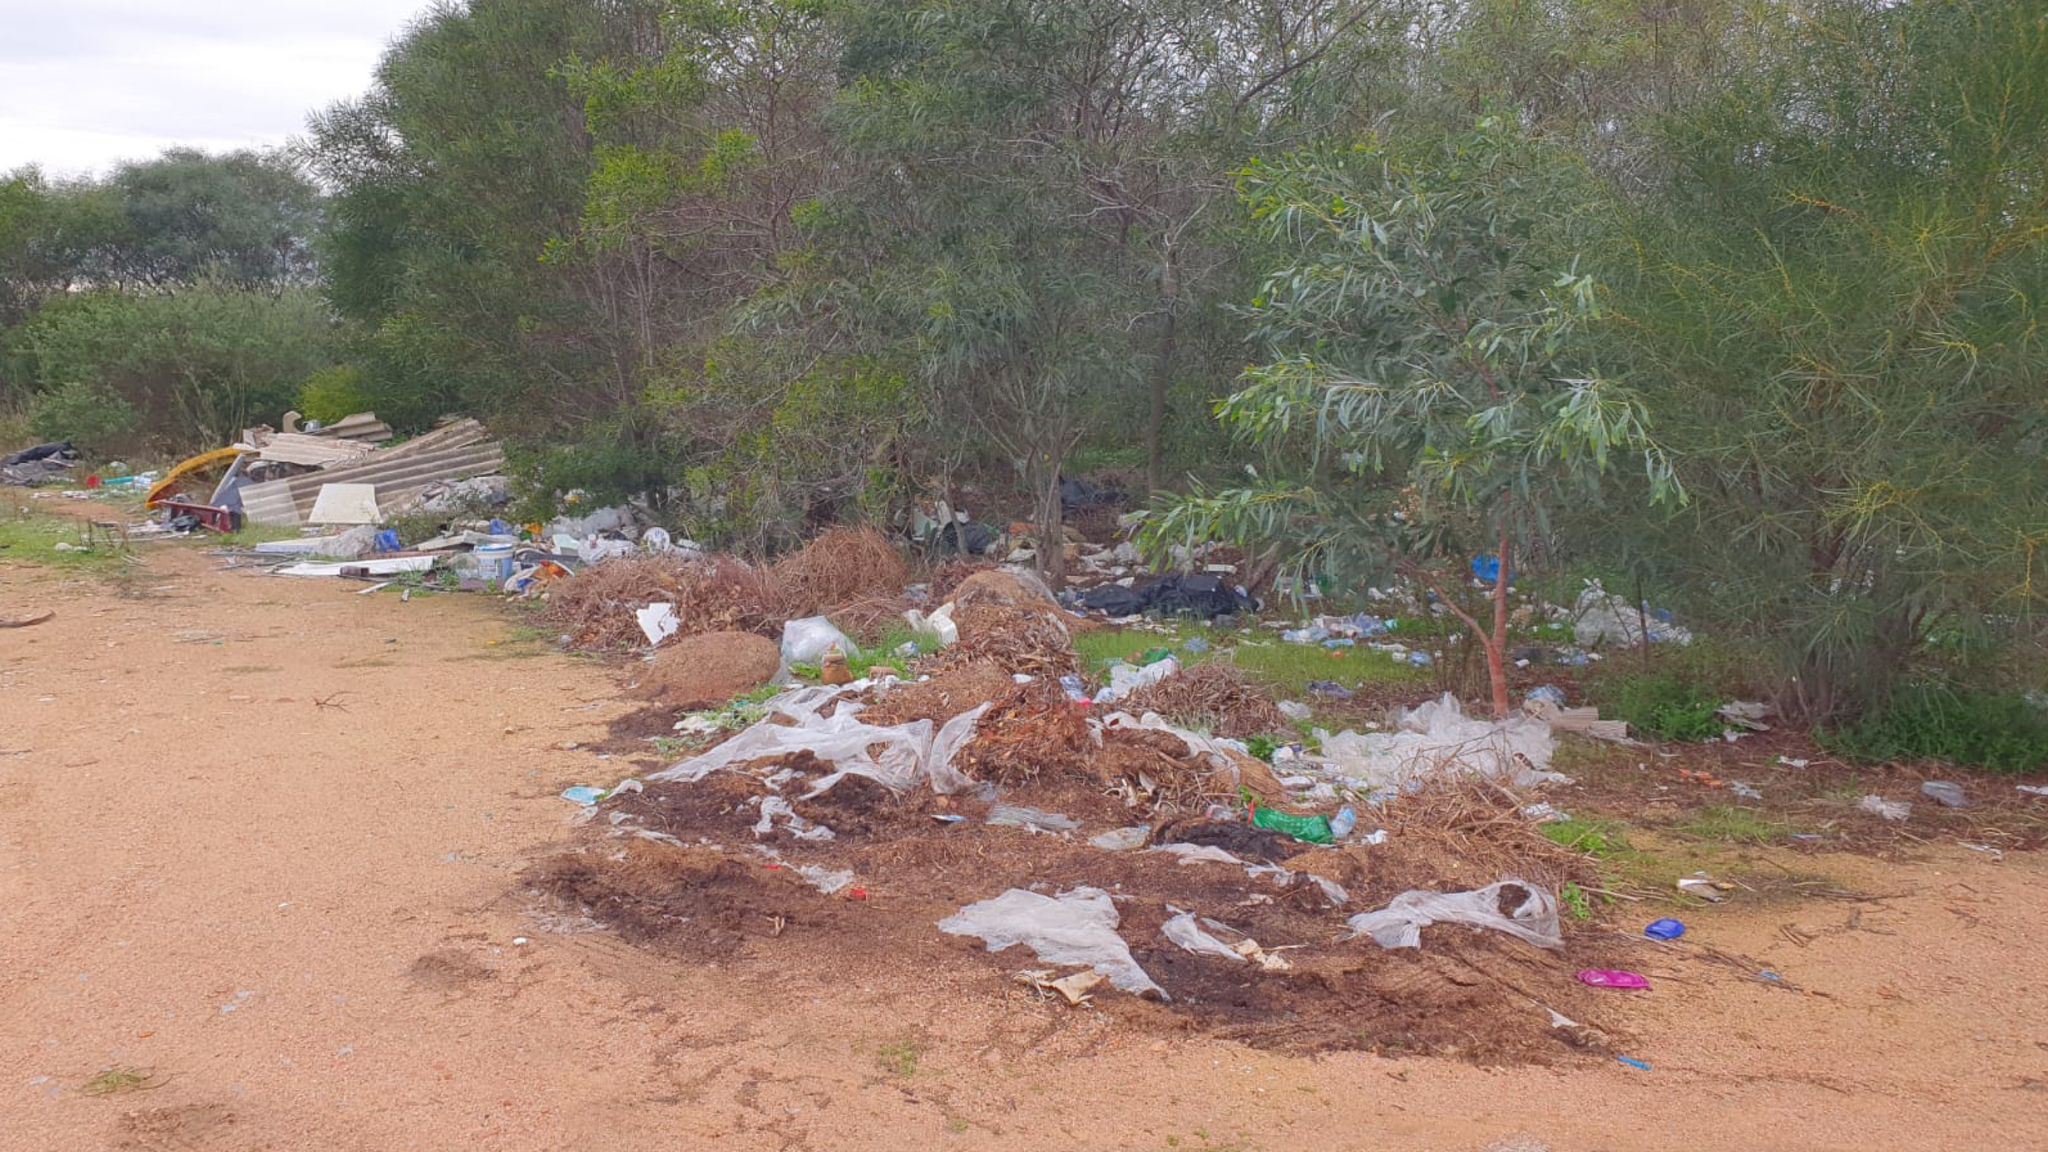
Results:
<point x="1343" y="822"/>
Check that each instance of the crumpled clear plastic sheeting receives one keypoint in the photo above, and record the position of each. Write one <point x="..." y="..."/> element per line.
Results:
<point x="1188" y="934"/>
<point x="802" y="829"/>
<point x="910" y="754"/>
<point x="1602" y="618"/>
<point x="807" y="640"/>
<point x="1438" y="739"/>
<point x="1400" y="923"/>
<point x="1077" y="927"/>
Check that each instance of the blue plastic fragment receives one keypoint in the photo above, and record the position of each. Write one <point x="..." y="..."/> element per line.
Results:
<point x="1634" y="1063"/>
<point x="1664" y="930"/>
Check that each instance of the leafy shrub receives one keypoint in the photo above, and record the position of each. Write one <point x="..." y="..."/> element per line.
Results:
<point x="1969" y="729"/>
<point x="332" y="393"/>
<point x="1665" y="706"/>
<point x="92" y="416"/>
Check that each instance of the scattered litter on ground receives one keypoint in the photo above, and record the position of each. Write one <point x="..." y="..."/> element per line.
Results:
<point x="1214" y="697"/>
<point x="1600" y="618"/>
<point x="1511" y="906"/>
<point x="1438" y="739"/>
<point x="1613" y="978"/>
<point x="1075" y="927"/>
<point x="1888" y="809"/>
<point x="1945" y="793"/>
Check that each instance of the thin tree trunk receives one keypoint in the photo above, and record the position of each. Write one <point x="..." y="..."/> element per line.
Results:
<point x="1155" y="424"/>
<point x="1497" y="644"/>
<point x="1052" y="530"/>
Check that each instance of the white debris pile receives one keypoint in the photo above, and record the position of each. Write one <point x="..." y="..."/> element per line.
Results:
<point x="1438" y="739"/>
<point x="1400" y="923"/>
<point x="901" y="756"/>
<point x="1077" y="927"/>
<point x="1602" y="618"/>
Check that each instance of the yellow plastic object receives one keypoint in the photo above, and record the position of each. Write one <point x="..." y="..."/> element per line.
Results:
<point x="164" y="487"/>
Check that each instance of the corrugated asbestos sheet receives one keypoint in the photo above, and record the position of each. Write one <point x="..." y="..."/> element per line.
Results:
<point x="311" y="451"/>
<point x="452" y="452"/>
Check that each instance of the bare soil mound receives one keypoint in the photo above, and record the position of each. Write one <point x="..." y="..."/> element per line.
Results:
<point x="708" y="670"/>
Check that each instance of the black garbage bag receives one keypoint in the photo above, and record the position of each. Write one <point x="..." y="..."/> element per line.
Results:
<point x="1201" y="595"/>
<point x="965" y="539"/>
<point x="1116" y="601"/>
<point x="62" y="450"/>
<point x="1081" y="495"/>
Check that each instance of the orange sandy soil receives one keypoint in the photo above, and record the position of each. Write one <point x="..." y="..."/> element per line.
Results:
<point x="260" y="840"/>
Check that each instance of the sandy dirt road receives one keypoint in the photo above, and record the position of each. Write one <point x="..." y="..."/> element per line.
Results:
<point x="261" y="837"/>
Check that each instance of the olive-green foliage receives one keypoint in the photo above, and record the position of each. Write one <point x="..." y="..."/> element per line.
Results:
<point x="1832" y="297"/>
<point x="194" y="366"/>
<point x="1998" y="733"/>
<point x="335" y="392"/>
<point x="1667" y="706"/>
<point x="93" y="417"/>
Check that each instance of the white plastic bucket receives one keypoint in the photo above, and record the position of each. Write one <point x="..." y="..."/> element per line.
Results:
<point x="494" y="562"/>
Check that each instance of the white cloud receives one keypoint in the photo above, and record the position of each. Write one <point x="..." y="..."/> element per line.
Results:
<point x="87" y="83"/>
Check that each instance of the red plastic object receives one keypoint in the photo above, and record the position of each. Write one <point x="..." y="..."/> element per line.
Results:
<point x="1613" y="978"/>
<point x="856" y="894"/>
<point x="218" y="519"/>
<point x="92" y="481"/>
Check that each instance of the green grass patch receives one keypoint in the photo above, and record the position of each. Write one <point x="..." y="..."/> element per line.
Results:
<point x="1600" y="839"/>
<point x="32" y="538"/>
<point x="900" y="1059"/>
<point x="1732" y="825"/>
<point x="1664" y="705"/>
<point x="1281" y="668"/>
<point x="1995" y="733"/>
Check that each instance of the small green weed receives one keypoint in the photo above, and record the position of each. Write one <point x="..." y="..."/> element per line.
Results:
<point x="1597" y="838"/>
<point x="1665" y="706"/>
<point x="1968" y="729"/>
<point x="1576" y="902"/>
<point x="122" y="1078"/>
<point x="900" y="1058"/>
<point x="1731" y="824"/>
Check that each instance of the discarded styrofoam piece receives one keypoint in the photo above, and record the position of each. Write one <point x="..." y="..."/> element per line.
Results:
<point x="384" y="566"/>
<point x="303" y="546"/>
<point x="1888" y="809"/>
<point x="1076" y="927"/>
<point x="1198" y="853"/>
<point x="345" y="504"/>
<point x="1585" y="721"/>
<point x="2032" y="789"/>
<point x="1745" y="714"/>
<point x="1125" y="679"/>
<point x="1122" y="839"/>
<point x="1031" y="819"/>
<point x="1400" y="923"/>
<point x="1438" y="739"/>
<point x="911" y="754"/>
<point x="658" y="622"/>
<point x="1184" y="931"/>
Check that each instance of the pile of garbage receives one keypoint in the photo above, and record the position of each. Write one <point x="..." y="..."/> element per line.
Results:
<point x="1092" y="846"/>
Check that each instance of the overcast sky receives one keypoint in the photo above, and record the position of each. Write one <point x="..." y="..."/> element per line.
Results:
<point x="86" y="83"/>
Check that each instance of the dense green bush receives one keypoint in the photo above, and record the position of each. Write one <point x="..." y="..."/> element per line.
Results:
<point x="1664" y="705"/>
<point x="1999" y="733"/>
<point x="332" y="393"/>
<point x="92" y="416"/>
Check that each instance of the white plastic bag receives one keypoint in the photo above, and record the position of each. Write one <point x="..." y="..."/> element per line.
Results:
<point x="1436" y="739"/>
<point x="805" y="641"/>
<point x="909" y="754"/>
<point x="1125" y="679"/>
<point x="1077" y="927"/>
<point x="1184" y="931"/>
<point x="1400" y="923"/>
<point x="658" y="622"/>
<point x="938" y="626"/>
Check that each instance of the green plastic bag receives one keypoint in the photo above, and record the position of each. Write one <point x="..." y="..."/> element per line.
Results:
<point x="1308" y="829"/>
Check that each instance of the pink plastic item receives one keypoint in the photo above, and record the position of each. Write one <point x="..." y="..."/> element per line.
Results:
<point x="1612" y="978"/>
